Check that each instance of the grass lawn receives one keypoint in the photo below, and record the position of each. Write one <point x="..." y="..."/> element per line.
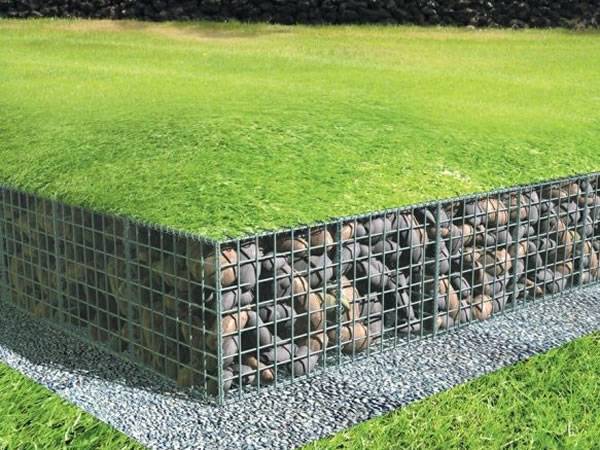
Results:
<point x="31" y="417"/>
<point x="224" y="129"/>
<point x="548" y="401"/>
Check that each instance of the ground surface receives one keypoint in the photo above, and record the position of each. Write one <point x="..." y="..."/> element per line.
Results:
<point x="31" y="417"/>
<point x="547" y="403"/>
<point x="224" y="129"/>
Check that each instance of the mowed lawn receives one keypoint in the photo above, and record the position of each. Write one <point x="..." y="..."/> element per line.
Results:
<point x="31" y="417"/>
<point x="551" y="401"/>
<point x="548" y="401"/>
<point x="224" y="129"/>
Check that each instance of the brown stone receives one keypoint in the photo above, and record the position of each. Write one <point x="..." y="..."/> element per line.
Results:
<point x="482" y="307"/>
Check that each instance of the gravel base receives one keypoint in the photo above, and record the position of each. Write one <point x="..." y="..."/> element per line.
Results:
<point x="148" y="409"/>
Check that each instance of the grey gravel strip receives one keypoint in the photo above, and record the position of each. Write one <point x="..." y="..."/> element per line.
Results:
<point x="148" y="409"/>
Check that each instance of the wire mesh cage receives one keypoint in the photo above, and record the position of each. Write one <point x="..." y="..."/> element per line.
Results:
<point x="297" y="301"/>
<point x="234" y="316"/>
<point x="132" y="288"/>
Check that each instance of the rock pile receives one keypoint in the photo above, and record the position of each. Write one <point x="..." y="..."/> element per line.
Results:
<point x="480" y="13"/>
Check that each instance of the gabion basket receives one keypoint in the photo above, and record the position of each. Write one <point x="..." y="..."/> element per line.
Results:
<point x="232" y="317"/>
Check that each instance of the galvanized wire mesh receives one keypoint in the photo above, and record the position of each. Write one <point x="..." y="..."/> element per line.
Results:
<point x="132" y="288"/>
<point x="298" y="301"/>
<point x="234" y="316"/>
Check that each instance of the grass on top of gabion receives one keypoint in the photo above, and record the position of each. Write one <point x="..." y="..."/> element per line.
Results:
<point x="225" y="129"/>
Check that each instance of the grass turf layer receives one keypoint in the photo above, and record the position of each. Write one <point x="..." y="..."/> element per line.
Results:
<point x="225" y="129"/>
<point x="548" y="401"/>
<point x="31" y="417"/>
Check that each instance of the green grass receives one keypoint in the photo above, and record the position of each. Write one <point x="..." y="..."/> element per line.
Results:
<point x="223" y="129"/>
<point x="31" y="417"/>
<point x="549" y="401"/>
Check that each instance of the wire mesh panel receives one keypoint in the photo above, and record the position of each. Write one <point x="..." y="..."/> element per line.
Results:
<point x="134" y="289"/>
<point x="298" y="301"/>
<point x="235" y="316"/>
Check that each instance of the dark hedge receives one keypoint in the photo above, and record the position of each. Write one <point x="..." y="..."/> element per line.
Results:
<point x="480" y="13"/>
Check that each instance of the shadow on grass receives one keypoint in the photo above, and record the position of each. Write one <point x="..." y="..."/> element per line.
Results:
<point x="202" y="30"/>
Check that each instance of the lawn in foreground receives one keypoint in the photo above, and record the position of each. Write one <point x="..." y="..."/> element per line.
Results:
<point x="31" y="417"/>
<point x="548" y="401"/>
<point x="224" y="129"/>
